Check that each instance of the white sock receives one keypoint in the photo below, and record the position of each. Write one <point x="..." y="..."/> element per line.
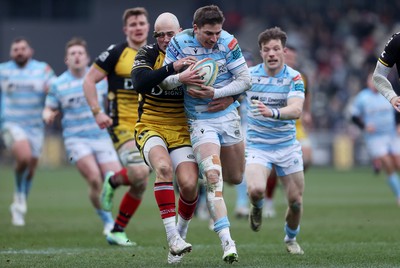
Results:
<point x="225" y="235"/>
<point x="287" y="239"/>
<point x="170" y="227"/>
<point x="182" y="227"/>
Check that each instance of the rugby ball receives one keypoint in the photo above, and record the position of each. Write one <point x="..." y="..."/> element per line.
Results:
<point x="209" y="70"/>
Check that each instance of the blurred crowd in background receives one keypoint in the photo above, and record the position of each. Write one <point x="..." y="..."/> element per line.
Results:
<point x="338" y="43"/>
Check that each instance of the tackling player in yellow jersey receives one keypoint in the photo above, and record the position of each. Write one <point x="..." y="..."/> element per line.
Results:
<point x="162" y="135"/>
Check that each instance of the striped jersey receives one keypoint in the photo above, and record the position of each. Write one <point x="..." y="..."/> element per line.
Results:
<point x="266" y="133"/>
<point x="374" y="109"/>
<point x="23" y="92"/>
<point x="226" y="53"/>
<point x="116" y="62"/>
<point x="66" y="95"/>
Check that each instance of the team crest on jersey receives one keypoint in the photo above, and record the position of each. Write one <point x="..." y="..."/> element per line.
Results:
<point x="111" y="95"/>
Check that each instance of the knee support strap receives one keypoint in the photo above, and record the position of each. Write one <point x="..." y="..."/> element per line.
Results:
<point x="214" y="188"/>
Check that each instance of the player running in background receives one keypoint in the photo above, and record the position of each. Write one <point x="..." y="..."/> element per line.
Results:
<point x="24" y="83"/>
<point x="88" y="147"/>
<point x="216" y="137"/>
<point x="302" y="125"/>
<point x="162" y="135"/>
<point x="275" y="102"/>
<point x="374" y="115"/>
<point x="121" y="115"/>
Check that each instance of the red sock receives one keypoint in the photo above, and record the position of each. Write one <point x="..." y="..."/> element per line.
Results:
<point x="271" y="185"/>
<point x="186" y="209"/>
<point x="127" y="208"/>
<point x="124" y="174"/>
<point x="165" y="197"/>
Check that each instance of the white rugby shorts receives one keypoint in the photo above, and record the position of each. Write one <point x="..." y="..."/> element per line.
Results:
<point x="286" y="161"/>
<point x="224" y="131"/>
<point x="12" y="132"/>
<point x="102" y="149"/>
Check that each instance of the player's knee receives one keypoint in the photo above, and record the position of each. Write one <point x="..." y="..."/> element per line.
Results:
<point x="140" y="172"/>
<point x="212" y="176"/>
<point x="95" y="182"/>
<point x="234" y="179"/>
<point x="214" y="190"/>
<point x="164" y="171"/>
<point x="210" y="168"/>
<point x="23" y="163"/>
<point x="295" y="206"/>
<point x="255" y="193"/>
<point x="189" y="192"/>
<point x="188" y="186"/>
<point x="137" y="189"/>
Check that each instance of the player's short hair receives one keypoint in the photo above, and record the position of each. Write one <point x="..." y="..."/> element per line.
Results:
<point x="75" y="41"/>
<point x="136" y="11"/>
<point x="208" y="15"/>
<point x="272" y="34"/>
<point x="20" y="39"/>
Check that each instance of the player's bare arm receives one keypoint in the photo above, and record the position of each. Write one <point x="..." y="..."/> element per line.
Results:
<point x="89" y="87"/>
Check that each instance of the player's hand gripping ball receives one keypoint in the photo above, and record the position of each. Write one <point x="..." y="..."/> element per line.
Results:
<point x="209" y="70"/>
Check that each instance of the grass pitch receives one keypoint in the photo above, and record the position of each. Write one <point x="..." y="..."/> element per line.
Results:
<point x="350" y="220"/>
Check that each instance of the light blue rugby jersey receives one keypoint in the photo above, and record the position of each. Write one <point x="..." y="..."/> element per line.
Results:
<point x="66" y="94"/>
<point x="263" y="132"/>
<point x="23" y="92"/>
<point x="373" y="108"/>
<point x="226" y="53"/>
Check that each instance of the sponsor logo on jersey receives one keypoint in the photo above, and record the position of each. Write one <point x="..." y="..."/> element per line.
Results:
<point x="298" y="77"/>
<point x="232" y="44"/>
<point x="103" y="56"/>
<point x="156" y="91"/>
<point x="174" y="51"/>
<point x="128" y="83"/>
<point x="298" y="87"/>
<point x="236" y="53"/>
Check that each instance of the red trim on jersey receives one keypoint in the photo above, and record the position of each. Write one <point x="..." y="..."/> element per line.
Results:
<point x="233" y="43"/>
